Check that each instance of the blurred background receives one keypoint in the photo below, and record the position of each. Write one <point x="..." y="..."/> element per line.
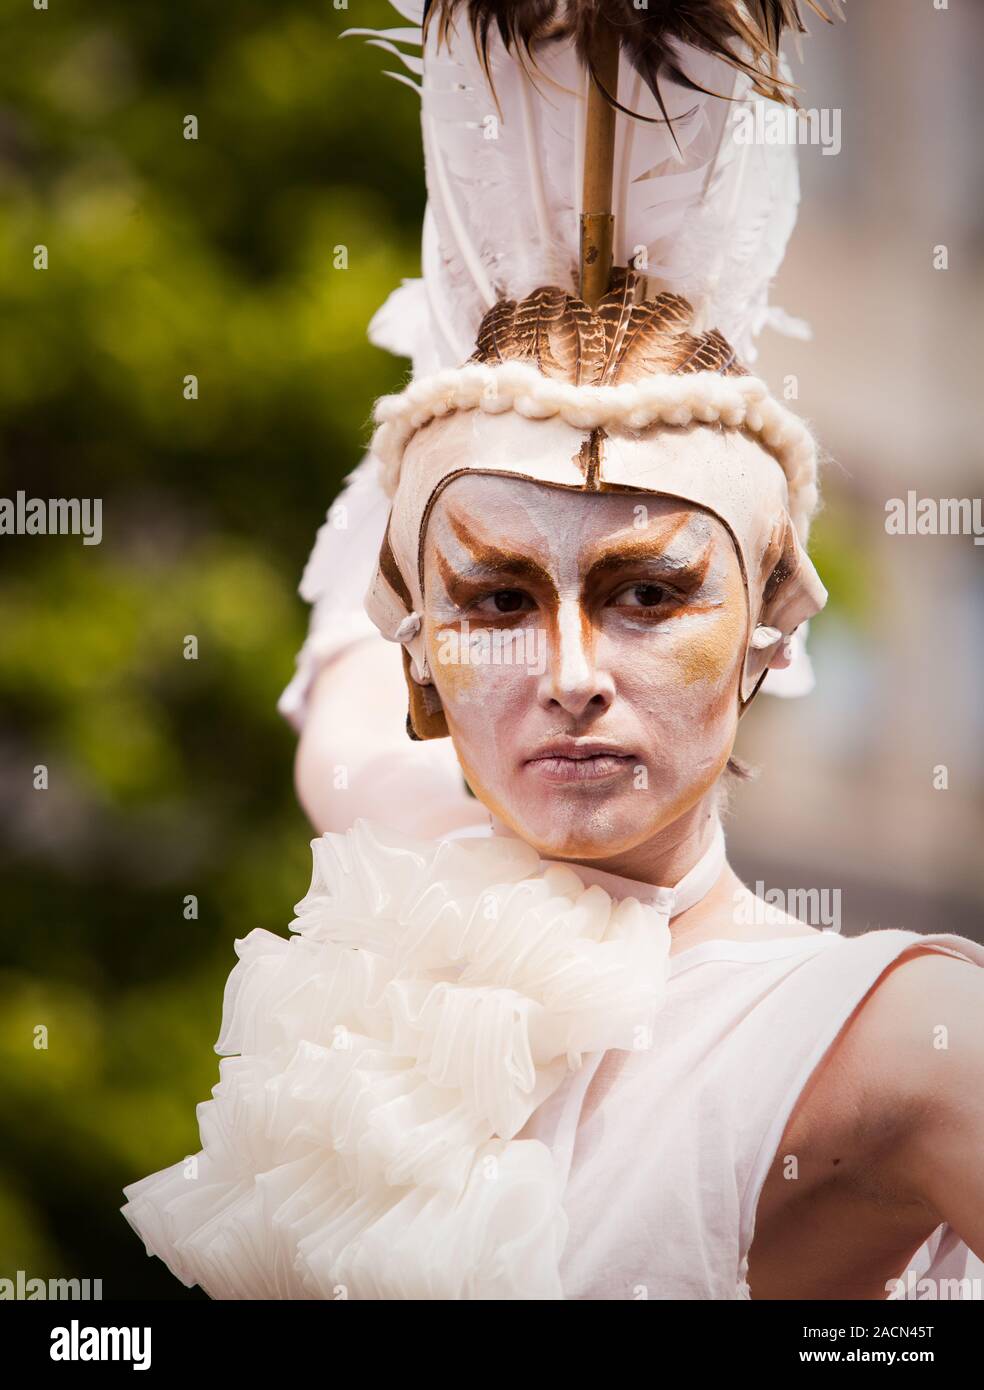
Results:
<point x="214" y="257"/>
<point x="891" y="382"/>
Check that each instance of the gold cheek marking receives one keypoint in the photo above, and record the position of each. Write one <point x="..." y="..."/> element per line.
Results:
<point x="712" y="655"/>
<point x="453" y="678"/>
<point x="450" y="678"/>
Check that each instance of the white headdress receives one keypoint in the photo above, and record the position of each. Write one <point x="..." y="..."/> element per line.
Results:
<point x="605" y="258"/>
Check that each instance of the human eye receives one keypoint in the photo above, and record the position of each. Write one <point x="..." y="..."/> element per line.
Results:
<point x="645" y="597"/>
<point x="506" y="602"/>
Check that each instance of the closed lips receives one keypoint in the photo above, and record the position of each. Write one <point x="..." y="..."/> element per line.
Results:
<point x="571" y="762"/>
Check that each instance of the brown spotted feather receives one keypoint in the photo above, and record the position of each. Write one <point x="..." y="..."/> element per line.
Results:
<point x="624" y="339"/>
<point x="491" y="344"/>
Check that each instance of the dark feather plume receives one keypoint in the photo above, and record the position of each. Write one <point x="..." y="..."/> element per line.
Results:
<point x="649" y="36"/>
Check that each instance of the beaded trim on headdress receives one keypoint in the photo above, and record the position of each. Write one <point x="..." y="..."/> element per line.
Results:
<point x="702" y="397"/>
<point x="630" y="361"/>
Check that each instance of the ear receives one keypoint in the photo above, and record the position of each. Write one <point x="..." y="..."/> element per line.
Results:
<point x="783" y="657"/>
<point x="425" y="716"/>
<point x="792" y="594"/>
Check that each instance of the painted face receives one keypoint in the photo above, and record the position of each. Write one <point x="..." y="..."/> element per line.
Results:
<point x="587" y="649"/>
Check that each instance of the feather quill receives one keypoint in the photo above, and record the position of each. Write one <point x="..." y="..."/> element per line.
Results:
<point x="502" y="90"/>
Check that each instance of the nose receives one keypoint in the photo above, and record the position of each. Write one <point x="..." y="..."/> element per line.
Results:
<point x="573" y="681"/>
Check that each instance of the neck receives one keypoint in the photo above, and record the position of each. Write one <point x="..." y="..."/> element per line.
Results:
<point x="665" y="858"/>
<point x="662" y="862"/>
<point x="671" y="852"/>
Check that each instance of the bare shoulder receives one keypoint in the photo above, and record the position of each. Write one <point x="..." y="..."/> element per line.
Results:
<point x="919" y="1029"/>
<point x="886" y="1132"/>
<point x="902" y="1064"/>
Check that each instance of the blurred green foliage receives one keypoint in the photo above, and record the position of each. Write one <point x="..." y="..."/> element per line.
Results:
<point x="841" y="551"/>
<point x="168" y="777"/>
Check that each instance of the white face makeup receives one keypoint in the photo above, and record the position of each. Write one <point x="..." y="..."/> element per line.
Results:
<point x="587" y="649"/>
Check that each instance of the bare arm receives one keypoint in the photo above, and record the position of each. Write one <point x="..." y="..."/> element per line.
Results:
<point x="934" y="1064"/>
<point x="888" y="1136"/>
<point x="354" y="757"/>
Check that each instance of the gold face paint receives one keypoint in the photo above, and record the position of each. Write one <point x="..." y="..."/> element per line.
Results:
<point x="634" y="608"/>
<point x="711" y="658"/>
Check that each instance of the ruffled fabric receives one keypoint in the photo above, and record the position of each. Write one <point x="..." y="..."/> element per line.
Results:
<point x="378" y="1064"/>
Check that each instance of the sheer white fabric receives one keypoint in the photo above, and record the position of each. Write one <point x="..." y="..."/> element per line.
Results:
<point x="667" y="1169"/>
<point x="335" y="581"/>
<point x="405" y="1103"/>
<point x="379" y="1064"/>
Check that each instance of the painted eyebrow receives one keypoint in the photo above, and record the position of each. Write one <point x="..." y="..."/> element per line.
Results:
<point x="489" y="559"/>
<point x="632" y="552"/>
<point x="490" y="567"/>
<point x="491" y="562"/>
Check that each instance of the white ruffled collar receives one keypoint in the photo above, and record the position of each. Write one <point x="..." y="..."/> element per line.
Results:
<point x="694" y="886"/>
<point x="379" y="1064"/>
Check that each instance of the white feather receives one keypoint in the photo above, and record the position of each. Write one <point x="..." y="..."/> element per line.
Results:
<point x="712" y="217"/>
<point x="502" y="217"/>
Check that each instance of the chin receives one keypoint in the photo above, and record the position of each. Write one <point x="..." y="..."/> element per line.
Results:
<point x="563" y="830"/>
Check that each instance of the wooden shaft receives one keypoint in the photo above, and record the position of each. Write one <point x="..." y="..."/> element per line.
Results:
<point x="597" y="220"/>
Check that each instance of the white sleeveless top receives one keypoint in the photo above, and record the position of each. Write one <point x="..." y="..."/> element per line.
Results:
<point x="665" y="1172"/>
<point x="440" y="1003"/>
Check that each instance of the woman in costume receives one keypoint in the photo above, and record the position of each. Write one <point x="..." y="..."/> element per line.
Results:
<point x="542" y="1057"/>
